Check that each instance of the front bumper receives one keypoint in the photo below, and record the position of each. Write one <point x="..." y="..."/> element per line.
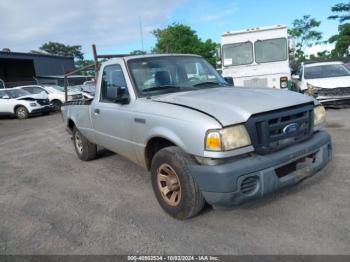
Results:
<point x="43" y="109"/>
<point x="253" y="177"/>
<point x="335" y="102"/>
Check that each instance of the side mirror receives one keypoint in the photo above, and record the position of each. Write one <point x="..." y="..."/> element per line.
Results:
<point x="5" y="97"/>
<point x="118" y="95"/>
<point x="218" y="53"/>
<point x="291" y="44"/>
<point x="295" y="77"/>
<point x="229" y="80"/>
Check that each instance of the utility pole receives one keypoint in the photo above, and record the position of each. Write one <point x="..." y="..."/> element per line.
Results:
<point x="141" y="34"/>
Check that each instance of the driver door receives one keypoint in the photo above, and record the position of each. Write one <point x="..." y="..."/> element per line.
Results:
<point x="112" y="121"/>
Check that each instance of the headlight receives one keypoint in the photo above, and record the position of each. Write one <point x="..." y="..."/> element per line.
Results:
<point x="312" y="90"/>
<point x="227" y="138"/>
<point x="284" y="82"/>
<point x="33" y="104"/>
<point x="319" y="115"/>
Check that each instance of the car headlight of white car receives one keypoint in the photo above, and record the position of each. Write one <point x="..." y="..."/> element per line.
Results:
<point x="319" y="116"/>
<point x="228" y="138"/>
<point x="312" y="90"/>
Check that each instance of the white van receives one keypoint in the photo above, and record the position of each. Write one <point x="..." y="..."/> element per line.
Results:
<point x="257" y="57"/>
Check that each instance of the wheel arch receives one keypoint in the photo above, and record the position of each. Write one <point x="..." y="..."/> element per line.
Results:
<point x="70" y="124"/>
<point x="17" y="106"/>
<point x="153" y="145"/>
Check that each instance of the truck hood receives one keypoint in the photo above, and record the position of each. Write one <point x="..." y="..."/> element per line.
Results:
<point x="332" y="82"/>
<point x="232" y="105"/>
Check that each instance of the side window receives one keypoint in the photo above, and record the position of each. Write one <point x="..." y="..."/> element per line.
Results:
<point x="28" y="88"/>
<point x="38" y="90"/>
<point x="2" y="94"/>
<point x="112" y="79"/>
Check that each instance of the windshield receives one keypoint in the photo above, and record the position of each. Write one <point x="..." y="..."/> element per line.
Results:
<point x="325" y="71"/>
<point x="237" y="54"/>
<point x="271" y="50"/>
<point x="164" y="74"/>
<point x="14" y="93"/>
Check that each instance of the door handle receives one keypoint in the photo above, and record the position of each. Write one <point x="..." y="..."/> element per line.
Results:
<point x="97" y="111"/>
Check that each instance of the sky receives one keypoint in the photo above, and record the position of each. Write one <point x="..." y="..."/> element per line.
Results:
<point x="114" y="25"/>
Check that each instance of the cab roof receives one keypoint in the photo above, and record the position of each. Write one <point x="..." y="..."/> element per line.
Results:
<point x="312" y="64"/>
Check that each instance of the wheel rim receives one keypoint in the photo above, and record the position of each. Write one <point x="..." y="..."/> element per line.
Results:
<point x="169" y="185"/>
<point x="78" y="143"/>
<point x="21" y="112"/>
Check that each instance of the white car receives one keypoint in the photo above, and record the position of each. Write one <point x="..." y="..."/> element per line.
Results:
<point x="55" y="94"/>
<point x="328" y="82"/>
<point x="22" y="104"/>
<point x="88" y="91"/>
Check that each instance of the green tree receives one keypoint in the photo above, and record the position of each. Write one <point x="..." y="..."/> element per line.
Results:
<point x="54" y="48"/>
<point x="341" y="8"/>
<point x="341" y="41"/>
<point x="179" y="38"/>
<point x="305" y="33"/>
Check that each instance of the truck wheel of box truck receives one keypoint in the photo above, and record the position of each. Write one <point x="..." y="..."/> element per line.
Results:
<point x="173" y="185"/>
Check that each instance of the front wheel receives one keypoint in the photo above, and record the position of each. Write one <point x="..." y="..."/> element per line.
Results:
<point x="85" y="150"/>
<point x="173" y="185"/>
<point x="56" y="105"/>
<point x="22" y="112"/>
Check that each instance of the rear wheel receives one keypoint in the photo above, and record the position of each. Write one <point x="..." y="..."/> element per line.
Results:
<point x="173" y="185"/>
<point x="85" y="150"/>
<point x="56" y="105"/>
<point x="22" y="112"/>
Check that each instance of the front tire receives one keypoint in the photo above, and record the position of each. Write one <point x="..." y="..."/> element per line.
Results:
<point x="56" y="105"/>
<point x="22" y="112"/>
<point x="85" y="150"/>
<point x="173" y="185"/>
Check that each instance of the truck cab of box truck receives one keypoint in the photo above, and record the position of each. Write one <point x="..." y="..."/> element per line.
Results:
<point x="257" y="57"/>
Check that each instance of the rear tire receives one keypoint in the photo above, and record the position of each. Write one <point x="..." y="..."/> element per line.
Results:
<point x="22" y="113"/>
<point x="85" y="150"/>
<point x="168" y="165"/>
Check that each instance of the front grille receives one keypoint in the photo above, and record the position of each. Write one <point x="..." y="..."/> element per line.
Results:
<point x="339" y="91"/>
<point x="249" y="185"/>
<point x="43" y="102"/>
<point x="256" y="82"/>
<point x="268" y="130"/>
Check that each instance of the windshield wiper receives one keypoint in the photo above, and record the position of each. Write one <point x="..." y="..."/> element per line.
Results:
<point x="161" y="87"/>
<point x="210" y="83"/>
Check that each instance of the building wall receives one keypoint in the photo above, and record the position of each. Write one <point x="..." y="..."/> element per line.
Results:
<point x="24" y="67"/>
<point x="44" y="64"/>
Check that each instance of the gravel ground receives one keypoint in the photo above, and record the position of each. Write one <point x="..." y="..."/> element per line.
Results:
<point x="53" y="203"/>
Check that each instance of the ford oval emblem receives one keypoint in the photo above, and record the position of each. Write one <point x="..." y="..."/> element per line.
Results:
<point x="291" y="128"/>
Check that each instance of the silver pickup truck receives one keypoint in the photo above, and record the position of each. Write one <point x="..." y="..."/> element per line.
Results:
<point x="203" y="140"/>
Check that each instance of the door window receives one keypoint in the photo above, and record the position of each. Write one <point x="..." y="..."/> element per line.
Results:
<point x="3" y="94"/>
<point x="113" y="81"/>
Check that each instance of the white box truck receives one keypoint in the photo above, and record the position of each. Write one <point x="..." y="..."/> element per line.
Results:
<point x="257" y="57"/>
